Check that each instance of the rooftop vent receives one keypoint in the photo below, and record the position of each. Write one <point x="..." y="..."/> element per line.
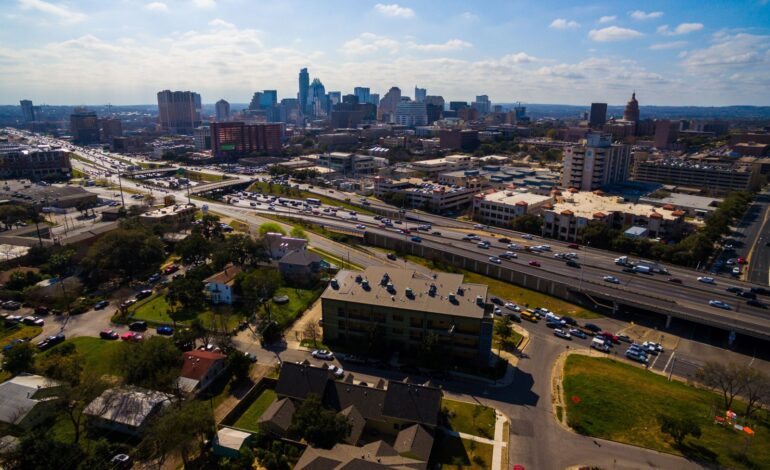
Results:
<point x="385" y="279"/>
<point x="452" y="298"/>
<point x="359" y="278"/>
<point x="408" y="292"/>
<point x="335" y="284"/>
<point x="432" y="290"/>
<point x="365" y="284"/>
<point x="479" y="300"/>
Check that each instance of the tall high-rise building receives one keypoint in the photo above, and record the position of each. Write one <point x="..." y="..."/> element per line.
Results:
<point x="316" y="99"/>
<point x="84" y="126"/>
<point x="179" y="111"/>
<point x="335" y="97"/>
<point x="304" y="87"/>
<point x="374" y="99"/>
<point x="420" y="94"/>
<point x="362" y="93"/>
<point x="223" y="110"/>
<point x="411" y="114"/>
<point x="482" y="104"/>
<point x="597" y="163"/>
<point x="27" y="110"/>
<point x="387" y="109"/>
<point x="256" y="100"/>
<point x="598" y="116"/>
<point x="111" y="127"/>
<point x="457" y="105"/>
<point x="631" y="113"/>
<point x="435" y="107"/>
<point x="269" y="99"/>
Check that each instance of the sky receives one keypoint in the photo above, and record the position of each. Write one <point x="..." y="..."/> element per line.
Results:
<point x="674" y="52"/>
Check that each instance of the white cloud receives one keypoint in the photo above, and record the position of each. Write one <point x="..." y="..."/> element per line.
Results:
<point x="156" y="6"/>
<point x="468" y="16"/>
<point x="613" y="33"/>
<point x="394" y="10"/>
<point x="683" y="28"/>
<point x="66" y="15"/>
<point x="642" y="15"/>
<point x="607" y="19"/>
<point x="563" y="23"/>
<point x="368" y="43"/>
<point x="746" y="50"/>
<point x="668" y="45"/>
<point x="218" y="23"/>
<point x="520" y="58"/>
<point x="204" y="4"/>
<point x="450" y="45"/>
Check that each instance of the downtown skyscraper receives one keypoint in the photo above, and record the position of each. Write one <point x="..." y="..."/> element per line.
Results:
<point x="179" y="111"/>
<point x="304" y="86"/>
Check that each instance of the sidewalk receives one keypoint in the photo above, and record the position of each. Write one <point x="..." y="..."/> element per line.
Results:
<point x="499" y="443"/>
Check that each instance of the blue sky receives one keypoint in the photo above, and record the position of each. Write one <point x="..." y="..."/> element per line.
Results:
<point x="123" y="51"/>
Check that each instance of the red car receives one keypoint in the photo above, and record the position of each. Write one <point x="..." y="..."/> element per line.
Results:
<point x="131" y="336"/>
<point x="108" y="334"/>
<point x="741" y="260"/>
<point x="574" y="246"/>
<point x="171" y="269"/>
<point x="610" y="336"/>
<point x="534" y="263"/>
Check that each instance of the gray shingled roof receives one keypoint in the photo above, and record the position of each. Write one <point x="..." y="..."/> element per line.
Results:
<point x="415" y="441"/>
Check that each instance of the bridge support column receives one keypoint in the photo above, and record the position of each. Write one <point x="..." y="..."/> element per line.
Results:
<point x="614" y="308"/>
<point x="668" y="321"/>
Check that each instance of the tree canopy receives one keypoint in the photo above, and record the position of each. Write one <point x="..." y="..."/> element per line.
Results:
<point x="153" y="363"/>
<point x="317" y="425"/>
<point x="126" y="252"/>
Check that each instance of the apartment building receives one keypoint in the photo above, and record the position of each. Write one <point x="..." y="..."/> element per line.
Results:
<point x="441" y="165"/>
<point x="405" y="306"/>
<point x="564" y="219"/>
<point x="414" y="192"/>
<point x="597" y="163"/>
<point x="41" y="162"/>
<point x="714" y="177"/>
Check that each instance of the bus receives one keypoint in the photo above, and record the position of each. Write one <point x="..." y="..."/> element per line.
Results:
<point x="313" y="201"/>
<point x="529" y="316"/>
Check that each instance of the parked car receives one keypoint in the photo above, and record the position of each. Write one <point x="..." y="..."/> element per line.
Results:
<point x="512" y="306"/>
<point x="578" y="333"/>
<point x="154" y="278"/>
<point x="610" y="337"/>
<point x="171" y="269"/>
<point x="164" y="330"/>
<point x="337" y="371"/>
<point x="51" y="341"/>
<point x="101" y="304"/>
<point x="638" y="357"/>
<point x="143" y="294"/>
<point x="11" y="305"/>
<point x="562" y="333"/>
<point x="514" y="317"/>
<point x="392" y="256"/>
<point x="32" y="320"/>
<point x="569" y="320"/>
<point x="322" y="354"/>
<point x="625" y="338"/>
<point x="139" y="325"/>
<point x="108" y="334"/>
<point x="42" y="310"/>
<point x="553" y="324"/>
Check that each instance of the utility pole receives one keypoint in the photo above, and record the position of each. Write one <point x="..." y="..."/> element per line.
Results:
<point x="120" y="185"/>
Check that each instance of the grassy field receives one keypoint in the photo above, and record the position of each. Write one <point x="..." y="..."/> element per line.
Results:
<point x="154" y="309"/>
<point x="336" y="260"/>
<point x="453" y="453"/>
<point x="283" y="191"/>
<point x="621" y="402"/>
<point x="461" y="419"/>
<point x="510" y="292"/>
<point x="248" y="420"/>
<point x="97" y="353"/>
<point x="10" y="333"/>
<point x="207" y="177"/>
<point x="299" y="301"/>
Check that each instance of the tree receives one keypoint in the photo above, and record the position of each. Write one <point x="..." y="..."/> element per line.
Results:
<point x="317" y="425"/>
<point x="20" y="280"/>
<point x="239" y="249"/>
<point x="18" y="359"/>
<point x="311" y="332"/>
<point x="169" y="200"/>
<point x="39" y="450"/>
<point x="755" y="387"/>
<point x="238" y="364"/>
<point x="153" y="363"/>
<point x="126" y="252"/>
<point x="298" y="232"/>
<point x="527" y="223"/>
<point x="194" y="249"/>
<point x="181" y="428"/>
<point x="271" y="227"/>
<point x="725" y="378"/>
<point x="149" y="200"/>
<point x="258" y="286"/>
<point x="183" y="296"/>
<point x="679" y="428"/>
<point x="211" y="227"/>
<point x="10" y="214"/>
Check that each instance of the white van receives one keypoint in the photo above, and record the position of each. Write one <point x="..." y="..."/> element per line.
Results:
<point x="600" y="345"/>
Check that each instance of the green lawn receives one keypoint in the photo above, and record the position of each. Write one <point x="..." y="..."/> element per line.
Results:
<point x="248" y="420"/>
<point x="154" y="309"/>
<point x="98" y="353"/>
<point x="461" y="419"/>
<point x="621" y="402"/>
<point x="10" y="333"/>
<point x="450" y="452"/>
<point x="510" y="292"/>
<point x="299" y="301"/>
<point x="207" y="177"/>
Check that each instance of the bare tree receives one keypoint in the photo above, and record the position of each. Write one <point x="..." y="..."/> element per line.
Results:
<point x="723" y="377"/>
<point x="311" y="332"/>
<point x="755" y="387"/>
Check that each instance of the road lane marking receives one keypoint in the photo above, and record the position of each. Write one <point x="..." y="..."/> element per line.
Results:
<point x="669" y="361"/>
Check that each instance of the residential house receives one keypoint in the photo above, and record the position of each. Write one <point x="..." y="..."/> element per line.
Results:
<point x="300" y="266"/>
<point x="220" y="285"/>
<point x="200" y="369"/>
<point x="279" y="245"/>
<point x="27" y="399"/>
<point x="376" y="455"/>
<point x="125" y="410"/>
<point x="277" y="417"/>
<point x="228" y="442"/>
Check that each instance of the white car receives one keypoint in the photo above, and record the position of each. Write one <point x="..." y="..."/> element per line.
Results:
<point x="719" y="304"/>
<point x="322" y="354"/>
<point x="512" y="306"/>
<point x="706" y="279"/>
<point x="478" y="226"/>
<point x="611" y="279"/>
<point x="495" y="259"/>
<point x="361" y="227"/>
<point x="527" y="236"/>
<point x="337" y="371"/>
<point x="513" y="246"/>
<point x="562" y="334"/>
<point x="498" y="311"/>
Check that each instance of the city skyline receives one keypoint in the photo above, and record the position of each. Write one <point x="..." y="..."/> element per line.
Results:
<point x="88" y="52"/>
